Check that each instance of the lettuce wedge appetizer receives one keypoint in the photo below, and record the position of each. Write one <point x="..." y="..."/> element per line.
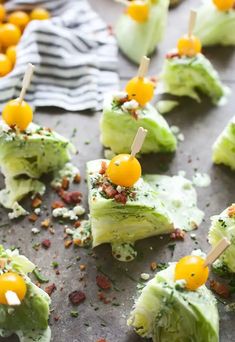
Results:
<point x="186" y="76"/>
<point x="213" y="26"/>
<point x="121" y="119"/>
<point x="29" y="320"/>
<point x="120" y="216"/>
<point x="25" y="157"/>
<point x="137" y="39"/>
<point x="166" y="311"/>
<point x="224" y="146"/>
<point x="223" y="225"/>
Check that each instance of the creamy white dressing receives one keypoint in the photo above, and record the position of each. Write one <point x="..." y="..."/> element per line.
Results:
<point x="201" y="179"/>
<point x="124" y="251"/>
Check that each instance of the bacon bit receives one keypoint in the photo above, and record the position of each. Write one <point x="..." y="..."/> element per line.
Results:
<point x="33" y="217"/>
<point x="220" y="289"/>
<point x="77" y="224"/>
<point x="103" y="168"/>
<point x="57" y="204"/>
<point x="123" y="100"/>
<point x="101" y="340"/>
<point x="82" y="267"/>
<point x="3" y="263"/>
<point x="77" y="297"/>
<point x="46" y="243"/>
<point x="103" y="298"/>
<point x="46" y="223"/>
<point x="134" y="114"/>
<point x="56" y="318"/>
<point x="121" y="198"/>
<point x="109" y="190"/>
<point x="77" y="242"/>
<point x="77" y="178"/>
<point x="36" y="202"/>
<point x="50" y="289"/>
<point x="73" y="197"/>
<point x="178" y="234"/>
<point x="65" y="183"/>
<point x="68" y="243"/>
<point x="231" y="211"/>
<point x="172" y="54"/>
<point x="103" y="282"/>
<point x="153" y="266"/>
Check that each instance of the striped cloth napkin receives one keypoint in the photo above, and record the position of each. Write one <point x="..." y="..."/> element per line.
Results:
<point x="74" y="53"/>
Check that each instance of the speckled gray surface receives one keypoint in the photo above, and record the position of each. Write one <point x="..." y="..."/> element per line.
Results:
<point x="200" y="124"/>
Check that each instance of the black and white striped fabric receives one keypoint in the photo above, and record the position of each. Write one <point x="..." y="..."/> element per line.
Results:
<point x="74" y="54"/>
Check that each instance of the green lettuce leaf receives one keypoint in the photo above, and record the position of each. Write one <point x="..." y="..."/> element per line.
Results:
<point x="165" y="311"/>
<point x="224" y="146"/>
<point x="215" y="27"/>
<point x="140" y="39"/>
<point x="186" y="76"/>
<point x="159" y="137"/>
<point x="223" y="226"/>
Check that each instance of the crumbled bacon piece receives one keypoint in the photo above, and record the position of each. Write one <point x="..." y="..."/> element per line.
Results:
<point x="103" y="298"/>
<point x="77" y="224"/>
<point x="231" y="210"/>
<point x="77" y="178"/>
<point x="46" y="243"/>
<point x="3" y="263"/>
<point x="36" y="202"/>
<point x="178" y="234"/>
<point x="50" y="289"/>
<point x="56" y="318"/>
<point x="57" y="204"/>
<point x="77" y="297"/>
<point x="68" y="243"/>
<point x="82" y="267"/>
<point x="45" y="223"/>
<point x="134" y="114"/>
<point x="103" y="168"/>
<point x="220" y="289"/>
<point x="72" y="197"/>
<point x="172" y="54"/>
<point x="101" y="340"/>
<point x="65" y="183"/>
<point x="77" y="242"/>
<point x="121" y="198"/>
<point x="109" y="190"/>
<point x="153" y="266"/>
<point x="103" y="282"/>
<point x="33" y="217"/>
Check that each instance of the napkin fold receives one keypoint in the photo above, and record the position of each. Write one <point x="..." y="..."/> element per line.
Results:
<point x="74" y="53"/>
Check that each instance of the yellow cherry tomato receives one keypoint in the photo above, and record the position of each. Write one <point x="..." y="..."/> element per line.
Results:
<point x="5" y="65"/>
<point x="11" y="54"/>
<point x="138" y="10"/>
<point x="2" y="13"/>
<point x="123" y="170"/>
<point x="39" y="14"/>
<point x="20" y="19"/>
<point x="140" y="89"/>
<point x="12" y="282"/>
<point x="224" y="5"/>
<point x="189" y="46"/>
<point x="191" y="269"/>
<point x="9" y="35"/>
<point x="16" y="114"/>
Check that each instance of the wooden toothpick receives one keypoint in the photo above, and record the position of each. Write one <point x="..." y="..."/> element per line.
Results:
<point x="217" y="251"/>
<point x="138" y="141"/>
<point x="144" y="66"/>
<point x="26" y="81"/>
<point x="12" y="298"/>
<point x="192" y="22"/>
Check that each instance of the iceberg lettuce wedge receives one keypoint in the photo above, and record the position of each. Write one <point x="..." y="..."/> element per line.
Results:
<point x="159" y="137"/>
<point x="223" y="225"/>
<point x="165" y="311"/>
<point x="186" y="76"/>
<point x="224" y="146"/>
<point x="154" y="205"/>
<point x="26" y="156"/>
<point x="137" y="39"/>
<point x="215" y="27"/>
<point x="30" y="318"/>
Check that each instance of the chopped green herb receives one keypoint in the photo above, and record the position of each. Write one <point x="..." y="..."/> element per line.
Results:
<point x="41" y="278"/>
